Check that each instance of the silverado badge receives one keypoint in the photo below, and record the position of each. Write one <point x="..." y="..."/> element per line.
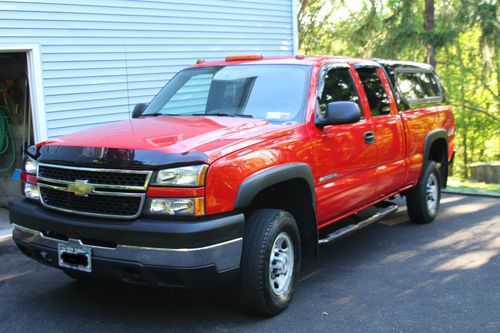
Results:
<point x="80" y="188"/>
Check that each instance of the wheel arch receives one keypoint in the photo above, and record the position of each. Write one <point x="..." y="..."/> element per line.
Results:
<point x="436" y="149"/>
<point x="289" y="187"/>
<point x="254" y="184"/>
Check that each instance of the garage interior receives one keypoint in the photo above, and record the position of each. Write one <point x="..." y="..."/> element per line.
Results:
<point x="16" y="125"/>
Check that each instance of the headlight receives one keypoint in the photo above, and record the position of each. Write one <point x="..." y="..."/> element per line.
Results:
<point x="30" y="166"/>
<point x="176" y="206"/>
<point x="193" y="175"/>
<point x="31" y="191"/>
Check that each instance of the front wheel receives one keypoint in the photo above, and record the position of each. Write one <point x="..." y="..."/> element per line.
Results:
<point x="423" y="201"/>
<point x="270" y="262"/>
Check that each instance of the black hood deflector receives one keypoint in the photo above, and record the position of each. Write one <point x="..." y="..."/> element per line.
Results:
<point x="112" y="158"/>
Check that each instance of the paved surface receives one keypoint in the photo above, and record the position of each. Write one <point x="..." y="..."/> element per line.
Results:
<point x="5" y="228"/>
<point x="392" y="276"/>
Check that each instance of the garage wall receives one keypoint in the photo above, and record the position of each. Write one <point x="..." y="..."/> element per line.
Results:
<point x="100" y="58"/>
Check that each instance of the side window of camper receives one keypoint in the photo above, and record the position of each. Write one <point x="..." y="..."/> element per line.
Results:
<point x="418" y="87"/>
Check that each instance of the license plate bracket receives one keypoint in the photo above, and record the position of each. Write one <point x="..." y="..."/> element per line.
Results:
<point x="76" y="257"/>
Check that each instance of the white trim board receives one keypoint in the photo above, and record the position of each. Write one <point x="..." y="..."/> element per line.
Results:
<point x="35" y="85"/>
<point x="295" y="27"/>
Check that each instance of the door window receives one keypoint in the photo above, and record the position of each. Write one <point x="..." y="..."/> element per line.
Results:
<point x="375" y="92"/>
<point x="337" y="86"/>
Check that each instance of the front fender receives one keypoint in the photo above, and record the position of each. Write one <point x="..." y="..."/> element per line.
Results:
<point x="251" y="186"/>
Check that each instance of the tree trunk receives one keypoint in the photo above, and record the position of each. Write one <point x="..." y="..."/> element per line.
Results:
<point x="429" y="24"/>
<point x="466" y="115"/>
<point x="300" y="17"/>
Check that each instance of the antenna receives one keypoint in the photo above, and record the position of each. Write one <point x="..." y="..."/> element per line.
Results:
<point x="126" y="75"/>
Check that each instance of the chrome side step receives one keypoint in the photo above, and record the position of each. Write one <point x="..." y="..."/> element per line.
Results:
<point x="353" y="227"/>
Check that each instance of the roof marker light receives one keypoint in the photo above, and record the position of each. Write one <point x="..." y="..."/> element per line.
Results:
<point x="238" y="57"/>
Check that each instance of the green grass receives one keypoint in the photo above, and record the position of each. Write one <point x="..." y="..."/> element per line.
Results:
<point x="471" y="185"/>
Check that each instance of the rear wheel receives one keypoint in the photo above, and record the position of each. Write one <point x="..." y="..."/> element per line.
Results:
<point x="423" y="200"/>
<point x="270" y="262"/>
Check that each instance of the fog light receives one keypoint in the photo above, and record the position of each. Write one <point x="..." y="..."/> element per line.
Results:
<point x="176" y="206"/>
<point x="31" y="191"/>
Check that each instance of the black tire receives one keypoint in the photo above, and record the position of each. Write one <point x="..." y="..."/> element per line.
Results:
<point x="263" y="228"/>
<point x="420" y="209"/>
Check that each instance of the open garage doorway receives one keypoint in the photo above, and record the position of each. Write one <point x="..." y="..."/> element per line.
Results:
<point x="18" y="122"/>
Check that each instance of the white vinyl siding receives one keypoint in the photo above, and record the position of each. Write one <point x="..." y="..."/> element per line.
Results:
<point x="100" y="58"/>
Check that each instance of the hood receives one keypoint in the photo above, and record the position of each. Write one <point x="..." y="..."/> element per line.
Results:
<point x="207" y="137"/>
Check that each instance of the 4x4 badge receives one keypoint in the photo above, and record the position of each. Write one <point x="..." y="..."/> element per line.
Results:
<point x="80" y="188"/>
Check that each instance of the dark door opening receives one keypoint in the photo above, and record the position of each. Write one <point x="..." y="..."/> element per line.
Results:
<point x="16" y="126"/>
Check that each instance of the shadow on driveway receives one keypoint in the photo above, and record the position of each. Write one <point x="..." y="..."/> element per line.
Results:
<point x="391" y="276"/>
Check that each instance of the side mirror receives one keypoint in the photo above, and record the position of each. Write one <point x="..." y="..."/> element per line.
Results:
<point x="138" y="110"/>
<point x="338" y="113"/>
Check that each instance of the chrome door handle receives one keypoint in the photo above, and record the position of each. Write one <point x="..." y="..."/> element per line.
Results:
<point x="369" y="137"/>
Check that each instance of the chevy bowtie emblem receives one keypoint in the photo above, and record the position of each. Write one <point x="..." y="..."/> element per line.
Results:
<point x="80" y="188"/>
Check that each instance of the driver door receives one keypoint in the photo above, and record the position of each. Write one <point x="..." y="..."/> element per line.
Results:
<point x="345" y="159"/>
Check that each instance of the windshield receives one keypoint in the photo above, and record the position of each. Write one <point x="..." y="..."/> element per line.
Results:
<point x="275" y="93"/>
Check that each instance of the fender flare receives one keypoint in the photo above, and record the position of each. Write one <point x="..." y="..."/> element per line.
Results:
<point x="251" y="186"/>
<point x="432" y="136"/>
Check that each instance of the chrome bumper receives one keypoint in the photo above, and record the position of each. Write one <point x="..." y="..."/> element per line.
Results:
<point x="224" y="256"/>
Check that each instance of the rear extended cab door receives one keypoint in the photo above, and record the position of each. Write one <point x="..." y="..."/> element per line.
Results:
<point x="389" y="129"/>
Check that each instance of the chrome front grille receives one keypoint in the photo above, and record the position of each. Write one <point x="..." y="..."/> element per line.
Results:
<point x="108" y="193"/>
<point x="137" y="180"/>
<point x="108" y="205"/>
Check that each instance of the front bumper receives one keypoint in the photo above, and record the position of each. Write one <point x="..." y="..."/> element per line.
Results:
<point x="145" y="251"/>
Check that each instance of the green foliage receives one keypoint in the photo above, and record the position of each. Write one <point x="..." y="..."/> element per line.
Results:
<point x="464" y="40"/>
<point x="470" y="185"/>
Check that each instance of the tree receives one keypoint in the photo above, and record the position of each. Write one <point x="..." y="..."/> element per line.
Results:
<point x="458" y="37"/>
<point x="429" y="25"/>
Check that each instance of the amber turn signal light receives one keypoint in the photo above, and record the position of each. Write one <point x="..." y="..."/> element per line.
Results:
<point x="238" y="57"/>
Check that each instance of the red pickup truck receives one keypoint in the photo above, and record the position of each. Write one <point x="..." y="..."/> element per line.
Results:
<point x="235" y="171"/>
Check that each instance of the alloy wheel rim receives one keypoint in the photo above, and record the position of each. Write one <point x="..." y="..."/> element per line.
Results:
<point x="432" y="194"/>
<point x="281" y="264"/>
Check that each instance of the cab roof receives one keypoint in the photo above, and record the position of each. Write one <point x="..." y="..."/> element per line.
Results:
<point x="258" y="59"/>
<point x="313" y="60"/>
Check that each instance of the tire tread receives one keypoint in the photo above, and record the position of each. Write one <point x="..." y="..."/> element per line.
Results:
<point x="415" y="198"/>
<point x="252" y="289"/>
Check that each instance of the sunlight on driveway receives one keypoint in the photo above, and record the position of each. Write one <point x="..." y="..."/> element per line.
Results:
<point x="471" y="260"/>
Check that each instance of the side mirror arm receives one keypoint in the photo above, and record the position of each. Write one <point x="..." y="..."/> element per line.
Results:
<point x="138" y="110"/>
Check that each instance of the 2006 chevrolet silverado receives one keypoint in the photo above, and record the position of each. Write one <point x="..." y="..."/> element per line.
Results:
<point x="236" y="170"/>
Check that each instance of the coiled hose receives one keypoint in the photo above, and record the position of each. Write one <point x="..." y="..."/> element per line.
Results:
<point x="6" y="139"/>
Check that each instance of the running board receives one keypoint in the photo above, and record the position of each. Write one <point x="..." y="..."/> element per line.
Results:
<point x="353" y="227"/>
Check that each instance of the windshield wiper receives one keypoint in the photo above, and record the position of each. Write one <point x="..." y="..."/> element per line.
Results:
<point x="156" y="114"/>
<point x="220" y="114"/>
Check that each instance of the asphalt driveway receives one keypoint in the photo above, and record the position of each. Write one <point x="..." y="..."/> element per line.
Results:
<point x="390" y="276"/>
